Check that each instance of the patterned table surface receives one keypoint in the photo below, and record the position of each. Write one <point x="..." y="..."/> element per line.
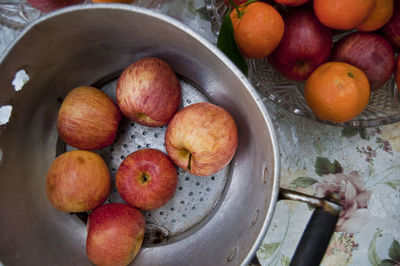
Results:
<point x="362" y="165"/>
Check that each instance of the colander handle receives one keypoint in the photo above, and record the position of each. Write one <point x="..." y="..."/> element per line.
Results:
<point x="319" y="230"/>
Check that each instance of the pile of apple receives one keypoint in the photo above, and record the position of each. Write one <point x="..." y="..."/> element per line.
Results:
<point x="307" y="43"/>
<point x="200" y="138"/>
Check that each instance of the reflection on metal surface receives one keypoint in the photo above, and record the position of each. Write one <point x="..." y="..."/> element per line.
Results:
<point x="20" y="79"/>
<point x="5" y="114"/>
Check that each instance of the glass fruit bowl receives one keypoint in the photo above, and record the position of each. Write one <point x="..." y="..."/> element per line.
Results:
<point x="383" y="107"/>
<point x="16" y="14"/>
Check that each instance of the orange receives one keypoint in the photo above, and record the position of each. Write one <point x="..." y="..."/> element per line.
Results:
<point x="337" y="91"/>
<point x="258" y="29"/>
<point x="343" y="14"/>
<point x="381" y="14"/>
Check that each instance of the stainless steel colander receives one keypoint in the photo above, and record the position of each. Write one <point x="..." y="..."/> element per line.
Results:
<point x="214" y="220"/>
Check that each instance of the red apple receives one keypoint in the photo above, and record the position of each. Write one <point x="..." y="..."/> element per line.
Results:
<point x="88" y="119"/>
<point x="113" y="1"/>
<point x="78" y="181"/>
<point x="397" y="72"/>
<point x="306" y="44"/>
<point x="369" y="52"/>
<point x="148" y="92"/>
<point x="391" y="30"/>
<point x="50" y="5"/>
<point x="236" y="2"/>
<point x="291" y="2"/>
<point x="146" y="179"/>
<point x="201" y="138"/>
<point x="115" y="234"/>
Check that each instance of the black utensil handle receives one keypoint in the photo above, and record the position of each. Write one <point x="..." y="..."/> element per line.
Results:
<point x="315" y="240"/>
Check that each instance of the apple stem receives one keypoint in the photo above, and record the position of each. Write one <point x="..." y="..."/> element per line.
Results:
<point x="189" y="163"/>
<point x="144" y="178"/>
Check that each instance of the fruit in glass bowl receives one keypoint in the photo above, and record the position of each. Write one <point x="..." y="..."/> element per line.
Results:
<point x="382" y="107"/>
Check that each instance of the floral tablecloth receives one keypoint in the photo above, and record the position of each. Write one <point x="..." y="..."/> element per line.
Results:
<point x="362" y="165"/>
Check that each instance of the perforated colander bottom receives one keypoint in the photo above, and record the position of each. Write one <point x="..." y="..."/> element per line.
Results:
<point x="194" y="198"/>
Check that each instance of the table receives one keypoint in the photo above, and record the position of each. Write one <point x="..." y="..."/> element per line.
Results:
<point x="362" y="165"/>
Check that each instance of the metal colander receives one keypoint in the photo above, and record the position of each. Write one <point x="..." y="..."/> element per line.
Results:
<point x="213" y="220"/>
<point x="195" y="197"/>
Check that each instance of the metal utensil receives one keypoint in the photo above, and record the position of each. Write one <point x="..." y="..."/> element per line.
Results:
<point x="91" y="45"/>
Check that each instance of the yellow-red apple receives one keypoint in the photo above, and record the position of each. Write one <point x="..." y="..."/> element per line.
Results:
<point x="146" y="179"/>
<point x="78" y="181"/>
<point x="201" y="138"/>
<point x="88" y="119"/>
<point x="148" y="92"/>
<point x="115" y="234"/>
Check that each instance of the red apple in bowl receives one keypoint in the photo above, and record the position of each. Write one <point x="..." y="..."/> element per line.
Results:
<point x="236" y="2"/>
<point x="50" y="5"/>
<point x="115" y="233"/>
<point x="146" y="179"/>
<point x="306" y="44"/>
<point x="397" y="73"/>
<point x="201" y="138"/>
<point x="369" y="52"/>
<point x="292" y="2"/>
<point x="88" y="119"/>
<point x="148" y="92"/>
<point x="113" y="1"/>
<point x="391" y="30"/>
<point x="78" y="181"/>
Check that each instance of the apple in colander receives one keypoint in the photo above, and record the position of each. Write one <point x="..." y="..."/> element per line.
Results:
<point x="88" y="119"/>
<point x="115" y="233"/>
<point x="148" y="92"/>
<point x="202" y="138"/>
<point x="146" y="179"/>
<point x="77" y="181"/>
